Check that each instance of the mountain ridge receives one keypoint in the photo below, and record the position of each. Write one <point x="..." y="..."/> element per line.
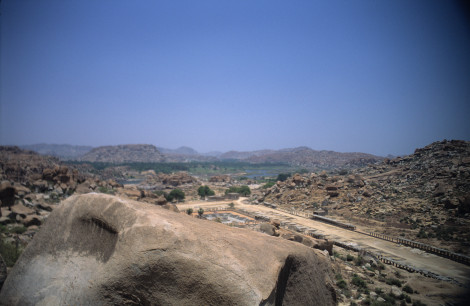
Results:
<point x="301" y="156"/>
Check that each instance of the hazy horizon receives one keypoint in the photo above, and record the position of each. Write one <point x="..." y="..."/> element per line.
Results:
<point x="211" y="151"/>
<point x="375" y="77"/>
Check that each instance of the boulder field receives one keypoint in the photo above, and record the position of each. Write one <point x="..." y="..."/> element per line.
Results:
<point x="97" y="249"/>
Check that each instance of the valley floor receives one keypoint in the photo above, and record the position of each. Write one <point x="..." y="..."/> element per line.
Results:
<point x="399" y="253"/>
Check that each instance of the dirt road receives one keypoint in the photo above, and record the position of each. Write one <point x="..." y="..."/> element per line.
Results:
<point x="406" y="255"/>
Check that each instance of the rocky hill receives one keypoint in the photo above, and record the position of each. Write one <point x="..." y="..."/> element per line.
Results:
<point x="179" y="151"/>
<point x="62" y="151"/>
<point x="425" y="195"/>
<point x="23" y="165"/>
<point x="131" y="153"/>
<point x="312" y="159"/>
<point x="241" y="155"/>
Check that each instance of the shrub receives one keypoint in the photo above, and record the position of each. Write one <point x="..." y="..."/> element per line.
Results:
<point x="393" y="281"/>
<point x="389" y="298"/>
<point x="19" y="229"/>
<point x="176" y="194"/>
<point x="231" y="205"/>
<point x="349" y="257"/>
<point x="103" y="189"/>
<point x="268" y="185"/>
<point x="342" y="284"/>
<point x="189" y="211"/>
<point x="359" y="260"/>
<point x="407" y="289"/>
<point x="9" y="252"/>
<point x="282" y="177"/>
<point x="243" y="190"/>
<point x="200" y="212"/>
<point x="359" y="282"/>
<point x="418" y="303"/>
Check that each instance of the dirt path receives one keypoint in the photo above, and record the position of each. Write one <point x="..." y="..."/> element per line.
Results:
<point x="406" y="255"/>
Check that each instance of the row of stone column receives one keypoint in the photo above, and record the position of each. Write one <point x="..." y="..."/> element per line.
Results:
<point x="438" y="251"/>
<point x="389" y="261"/>
<point x="425" y="247"/>
<point x="382" y="236"/>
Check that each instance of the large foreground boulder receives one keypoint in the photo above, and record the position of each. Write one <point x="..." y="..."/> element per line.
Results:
<point x="99" y="249"/>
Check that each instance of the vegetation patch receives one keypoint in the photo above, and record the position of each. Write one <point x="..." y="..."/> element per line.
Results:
<point x="10" y="252"/>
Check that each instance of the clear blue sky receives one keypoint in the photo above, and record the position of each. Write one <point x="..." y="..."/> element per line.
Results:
<point x="371" y="76"/>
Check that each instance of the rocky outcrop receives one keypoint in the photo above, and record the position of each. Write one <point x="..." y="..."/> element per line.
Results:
<point x="23" y="166"/>
<point x="99" y="249"/>
<point x="220" y="179"/>
<point x="131" y="153"/>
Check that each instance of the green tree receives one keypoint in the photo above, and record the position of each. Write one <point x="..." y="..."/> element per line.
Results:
<point x="176" y="194"/>
<point x="232" y="189"/>
<point x="244" y="190"/>
<point x="268" y="185"/>
<point x="204" y="191"/>
<point x="200" y="212"/>
<point x="189" y="211"/>
<point x="282" y="177"/>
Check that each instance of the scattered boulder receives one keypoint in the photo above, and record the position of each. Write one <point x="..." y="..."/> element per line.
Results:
<point x="22" y="210"/>
<point x="83" y="188"/>
<point x="31" y="220"/>
<point x="331" y="187"/>
<point x="175" y="179"/>
<point x="268" y="229"/>
<point x="161" y="200"/>
<point x="220" y="179"/>
<point x="134" y="253"/>
<point x="171" y="207"/>
<point x="396" y="291"/>
<point x="276" y="223"/>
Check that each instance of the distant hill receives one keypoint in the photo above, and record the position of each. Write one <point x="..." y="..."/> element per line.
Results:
<point x="244" y="154"/>
<point x="62" y="151"/>
<point x="213" y="153"/>
<point x="130" y="153"/>
<point x="181" y="151"/>
<point x="304" y="157"/>
<point x="308" y="158"/>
